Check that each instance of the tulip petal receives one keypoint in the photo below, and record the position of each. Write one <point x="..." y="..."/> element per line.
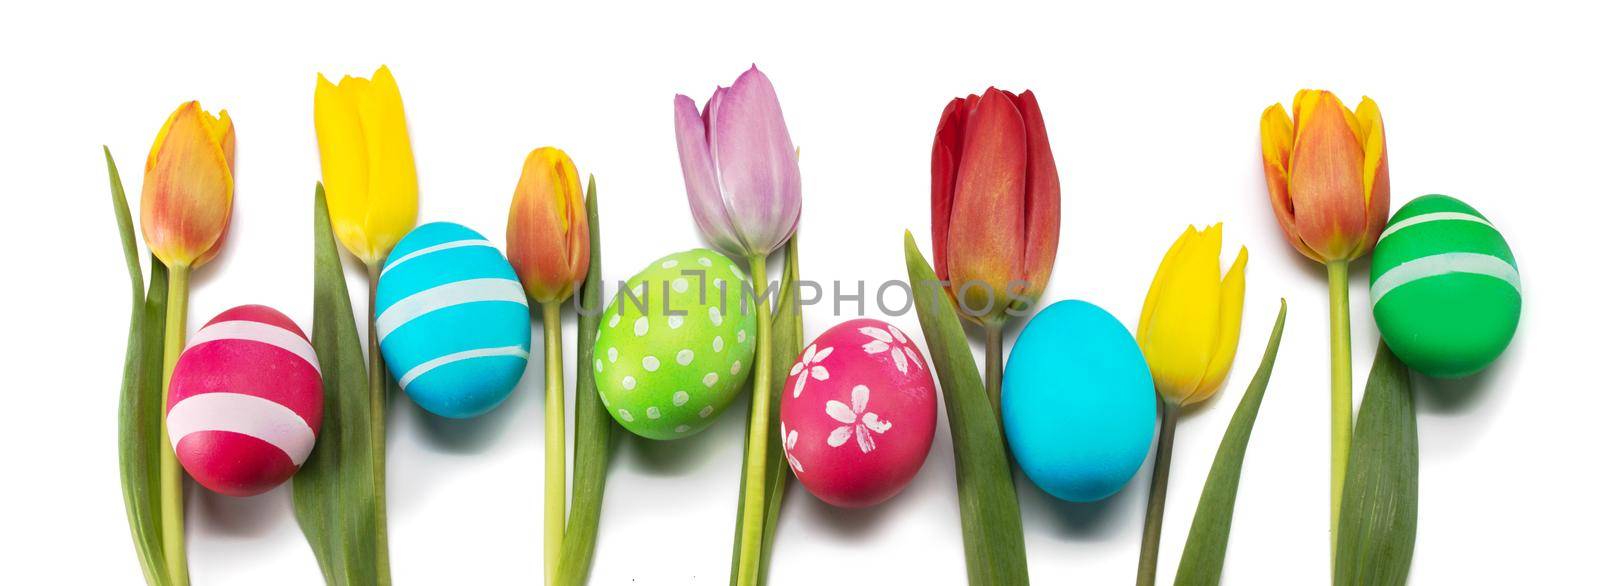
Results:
<point x="947" y="143"/>
<point x="1302" y="100"/>
<point x="1277" y="144"/>
<point x="187" y="198"/>
<point x="221" y="127"/>
<point x="216" y="247"/>
<point x="391" y="171"/>
<point x="1158" y="284"/>
<point x="1041" y="201"/>
<point x="1231" y="312"/>
<point x="343" y="150"/>
<point x="1325" y="174"/>
<point x="700" y="178"/>
<point x="756" y="162"/>
<point x="1375" y="172"/>
<point x="986" y="217"/>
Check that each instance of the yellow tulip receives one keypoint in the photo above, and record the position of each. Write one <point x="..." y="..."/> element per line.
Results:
<point x="1189" y="328"/>
<point x="367" y="168"/>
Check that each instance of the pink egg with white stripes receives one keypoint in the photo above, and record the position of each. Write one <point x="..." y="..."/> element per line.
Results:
<point x="245" y="404"/>
<point x="858" y="413"/>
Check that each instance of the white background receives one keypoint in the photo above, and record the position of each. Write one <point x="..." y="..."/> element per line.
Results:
<point x="1153" y="113"/>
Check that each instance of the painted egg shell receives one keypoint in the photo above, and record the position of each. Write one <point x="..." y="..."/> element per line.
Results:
<point x="1445" y="290"/>
<point x="666" y="375"/>
<point x="245" y="403"/>
<point x="452" y="320"/>
<point x="858" y="413"/>
<point x="1078" y="402"/>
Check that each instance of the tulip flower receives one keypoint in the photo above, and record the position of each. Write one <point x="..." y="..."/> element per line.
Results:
<point x="370" y="182"/>
<point x="1327" y="171"/>
<point x="1189" y="328"/>
<point x="1188" y="331"/>
<point x="547" y="235"/>
<point x="184" y="210"/>
<point x="188" y="187"/>
<point x="996" y="211"/>
<point x="547" y="239"/>
<point x="742" y="174"/>
<point x="1327" y="174"/>
<point x="739" y="167"/>
<point x="367" y="168"/>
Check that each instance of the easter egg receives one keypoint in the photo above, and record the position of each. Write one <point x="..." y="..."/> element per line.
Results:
<point x="1445" y="289"/>
<point x="452" y="320"/>
<point x="858" y="413"/>
<point x="676" y="345"/>
<point x="1078" y="402"/>
<point x="245" y="403"/>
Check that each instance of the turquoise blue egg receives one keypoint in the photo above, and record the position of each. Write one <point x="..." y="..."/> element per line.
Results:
<point x="1078" y="402"/>
<point x="452" y="320"/>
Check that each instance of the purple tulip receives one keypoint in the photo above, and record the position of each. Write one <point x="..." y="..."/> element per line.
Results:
<point x="739" y="166"/>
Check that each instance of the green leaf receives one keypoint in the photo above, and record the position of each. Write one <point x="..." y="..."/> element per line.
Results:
<point x="591" y="451"/>
<point x="139" y="410"/>
<point x="788" y="337"/>
<point x="991" y="524"/>
<point x="1378" y="520"/>
<point x="1213" y="518"/>
<point x="333" y="491"/>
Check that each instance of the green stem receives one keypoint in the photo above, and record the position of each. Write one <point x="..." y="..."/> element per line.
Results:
<point x="994" y="366"/>
<point x="171" y="475"/>
<point x="555" y="444"/>
<point x="1155" y="509"/>
<point x="1339" y="347"/>
<point x="754" y="513"/>
<point x="377" y="397"/>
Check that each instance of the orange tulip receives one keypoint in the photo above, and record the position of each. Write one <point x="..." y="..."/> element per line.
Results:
<point x="1328" y="174"/>
<point x="547" y="235"/>
<point x="188" y="187"/>
<point x="1328" y="177"/>
<point x="547" y="241"/>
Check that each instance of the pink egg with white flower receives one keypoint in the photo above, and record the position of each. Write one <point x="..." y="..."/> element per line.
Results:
<point x="858" y="413"/>
<point x="245" y="404"/>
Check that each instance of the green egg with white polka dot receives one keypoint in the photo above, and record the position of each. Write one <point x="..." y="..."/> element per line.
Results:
<point x="676" y="346"/>
<point x="1446" y="292"/>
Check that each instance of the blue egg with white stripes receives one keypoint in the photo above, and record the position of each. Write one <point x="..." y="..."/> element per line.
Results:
<point x="452" y="320"/>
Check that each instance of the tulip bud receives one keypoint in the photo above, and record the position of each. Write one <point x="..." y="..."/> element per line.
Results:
<point x="1328" y="174"/>
<point x="188" y="187"/>
<point x="367" y="169"/>
<point x="547" y="234"/>
<point x="996" y="203"/>
<point x="739" y="167"/>
<point x="1189" y="328"/>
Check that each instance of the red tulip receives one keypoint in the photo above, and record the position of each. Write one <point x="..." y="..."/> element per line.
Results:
<point x="996" y="204"/>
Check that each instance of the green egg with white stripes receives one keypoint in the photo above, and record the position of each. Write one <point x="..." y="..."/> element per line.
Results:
<point x="1446" y="292"/>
